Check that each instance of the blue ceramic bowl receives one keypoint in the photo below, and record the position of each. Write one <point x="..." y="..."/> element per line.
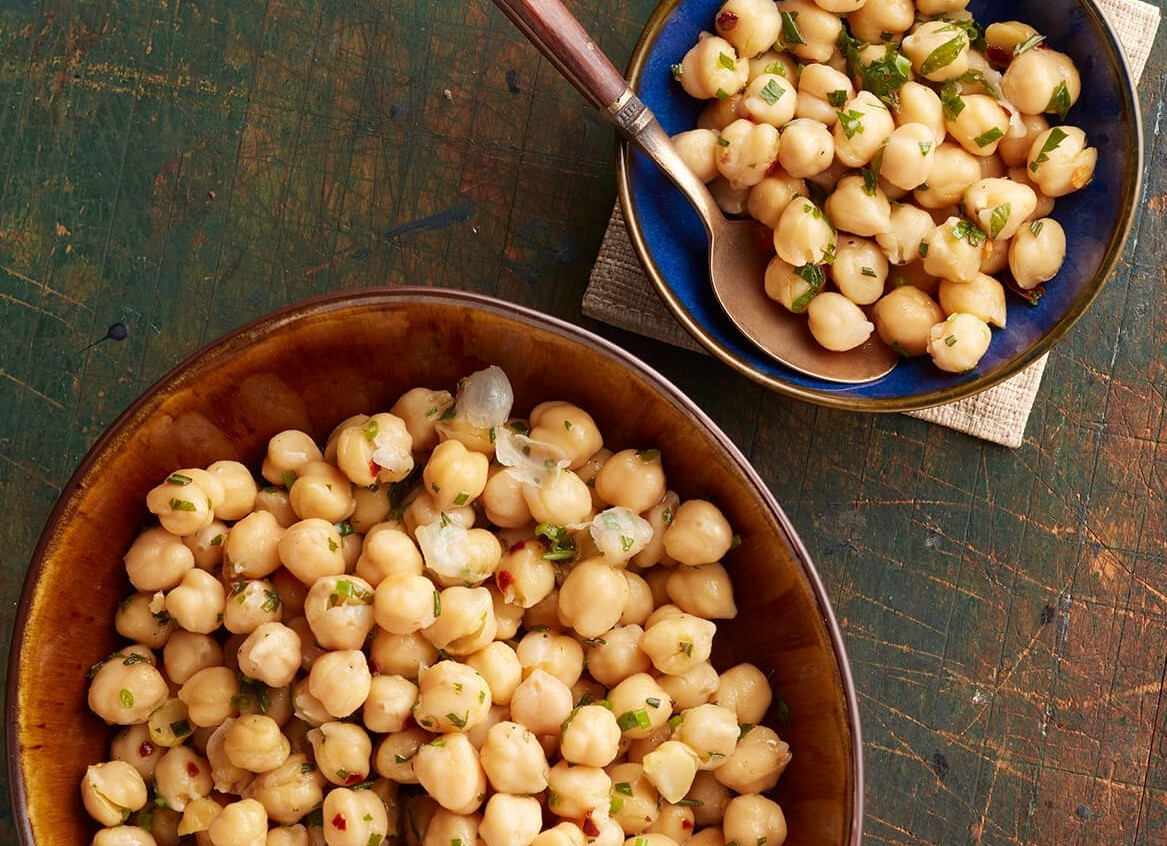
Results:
<point x="671" y="243"/>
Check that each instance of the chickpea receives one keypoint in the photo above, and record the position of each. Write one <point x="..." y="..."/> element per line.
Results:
<point x="1060" y="162"/>
<point x="770" y="98"/>
<point x="451" y="772"/>
<point x="287" y="452"/>
<point x="837" y="323"/>
<point x="698" y="534"/>
<point x="807" y="148"/>
<point x="953" y="250"/>
<point x="142" y="618"/>
<point x="1041" y="80"/>
<point x="817" y="30"/>
<point x="904" y="317"/>
<point x="541" y="702"/>
<point x="185" y="502"/>
<point x="863" y="126"/>
<point x="271" y="653"/>
<point x="698" y="148"/>
<point x="958" y="343"/>
<point x="822" y="90"/>
<point x="561" y="500"/>
<point x="953" y="171"/>
<point x="711" y="68"/>
<point x="984" y="297"/>
<point x="339" y="610"/>
<point x="254" y="742"/>
<point x="111" y="791"/>
<point x="389" y="706"/>
<point x="420" y="409"/>
<point x="938" y="50"/>
<point x="676" y="642"/>
<point x="288" y="791"/>
<point x="590" y="736"/>
<point x="1014" y="147"/>
<point x="1037" y="252"/>
<point x="157" y="560"/>
<point x="641" y="706"/>
<point x="464" y="620"/>
<point x="239" y="489"/>
<point x="757" y="761"/>
<point x="182" y="775"/>
<point x="498" y="664"/>
<point x="396" y="753"/>
<point x="577" y="791"/>
<point x="592" y="597"/>
<point x="804" y="234"/>
<point x="342" y="752"/>
<point x="753" y="818"/>
<point x="254" y="546"/>
<point x="127" y="687"/>
<point x="751" y="26"/>
<point x="876" y="19"/>
<point x="770" y="197"/>
<point x="242" y="823"/>
<point x="341" y="681"/>
<point x="323" y="491"/>
<point x="401" y="655"/>
<point x="979" y="125"/>
<point x="695" y="686"/>
<point x="510" y="820"/>
<point x="671" y="767"/>
<point x="132" y="745"/>
<point x="452" y="696"/>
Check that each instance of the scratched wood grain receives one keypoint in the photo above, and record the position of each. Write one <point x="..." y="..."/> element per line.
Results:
<point x="182" y="167"/>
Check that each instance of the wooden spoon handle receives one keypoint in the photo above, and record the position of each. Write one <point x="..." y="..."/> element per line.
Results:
<point x="562" y="40"/>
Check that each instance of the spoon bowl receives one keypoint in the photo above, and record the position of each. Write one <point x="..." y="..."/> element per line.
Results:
<point x="739" y="250"/>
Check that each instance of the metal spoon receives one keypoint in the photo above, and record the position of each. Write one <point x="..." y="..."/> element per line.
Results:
<point x="739" y="250"/>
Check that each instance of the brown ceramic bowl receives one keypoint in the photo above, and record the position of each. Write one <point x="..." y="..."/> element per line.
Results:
<point x="314" y="364"/>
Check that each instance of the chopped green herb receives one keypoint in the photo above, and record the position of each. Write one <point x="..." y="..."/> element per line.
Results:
<point x="623" y="787"/>
<point x="677" y="70"/>
<point x="999" y="218"/>
<point x="790" y="32"/>
<point x="126" y="697"/>
<point x="721" y="94"/>
<point x="984" y="140"/>
<point x="884" y="76"/>
<point x="181" y="505"/>
<point x="722" y="141"/>
<point x="951" y="100"/>
<point x="869" y="272"/>
<point x="637" y="718"/>
<point x="288" y="477"/>
<point x="372" y="429"/>
<point x="180" y="479"/>
<point x="1056" y="136"/>
<point x="437" y="604"/>
<point x="925" y="147"/>
<point x="615" y="805"/>
<point x="944" y="55"/>
<point x="815" y="278"/>
<point x="457" y="720"/>
<point x="726" y="61"/>
<point x="771" y="92"/>
<point x="1059" y="101"/>
<point x="180" y="728"/>
<point x="652" y="702"/>
<point x="969" y="232"/>
<point x="648" y="455"/>
<point x="870" y="181"/>
<point x="851" y="122"/>
<point x="344" y="529"/>
<point x="462" y="498"/>
<point x="837" y="98"/>
<point x="1028" y="44"/>
<point x="1035" y="227"/>
<point x="950" y="340"/>
<point x="923" y="249"/>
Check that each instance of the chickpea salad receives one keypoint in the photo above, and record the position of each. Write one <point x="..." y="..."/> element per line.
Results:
<point x="446" y="624"/>
<point x="906" y="158"/>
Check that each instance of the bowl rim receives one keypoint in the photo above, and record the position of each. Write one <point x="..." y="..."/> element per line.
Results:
<point x="388" y="297"/>
<point x="841" y="399"/>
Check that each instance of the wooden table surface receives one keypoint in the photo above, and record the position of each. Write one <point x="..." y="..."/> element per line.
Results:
<point x="175" y="168"/>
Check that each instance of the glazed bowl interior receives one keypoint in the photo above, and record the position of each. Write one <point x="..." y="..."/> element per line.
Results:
<point x="670" y="241"/>
<point x="315" y="364"/>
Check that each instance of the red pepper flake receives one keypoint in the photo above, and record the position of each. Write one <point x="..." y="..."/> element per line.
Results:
<point x="353" y="778"/>
<point x="589" y="827"/>
<point x="686" y="824"/>
<point x="339" y="822"/>
<point x="192" y="769"/>
<point x="374" y="468"/>
<point x="504" y="579"/>
<point x="726" y="21"/>
<point x="998" y="56"/>
<point x="145" y="749"/>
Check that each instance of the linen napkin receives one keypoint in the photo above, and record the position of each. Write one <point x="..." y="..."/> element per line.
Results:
<point x="619" y="292"/>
